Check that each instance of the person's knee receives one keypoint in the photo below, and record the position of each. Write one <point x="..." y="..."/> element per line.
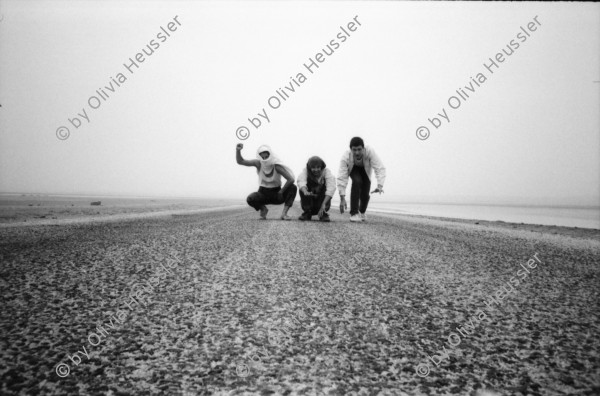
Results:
<point x="290" y="193"/>
<point x="358" y="185"/>
<point x="251" y="199"/>
<point x="357" y="181"/>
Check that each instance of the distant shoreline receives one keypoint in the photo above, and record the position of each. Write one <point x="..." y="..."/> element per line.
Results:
<point x="555" y="230"/>
<point x="573" y="216"/>
<point x="91" y="196"/>
<point x="112" y="217"/>
<point x="502" y="205"/>
<point x="334" y="200"/>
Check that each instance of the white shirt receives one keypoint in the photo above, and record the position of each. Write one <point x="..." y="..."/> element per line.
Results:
<point x="370" y="162"/>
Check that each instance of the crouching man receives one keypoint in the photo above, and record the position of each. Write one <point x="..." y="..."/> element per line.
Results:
<point x="270" y="191"/>
<point x="317" y="186"/>
<point x="358" y="164"/>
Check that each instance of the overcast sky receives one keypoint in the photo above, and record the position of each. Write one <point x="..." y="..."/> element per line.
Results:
<point x="529" y="133"/>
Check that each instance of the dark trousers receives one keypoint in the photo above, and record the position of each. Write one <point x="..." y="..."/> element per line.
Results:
<point x="312" y="205"/>
<point x="268" y="196"/>
<point x="359" y="194"/>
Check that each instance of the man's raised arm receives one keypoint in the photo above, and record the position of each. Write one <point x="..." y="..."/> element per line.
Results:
<point x="240" y="160"/>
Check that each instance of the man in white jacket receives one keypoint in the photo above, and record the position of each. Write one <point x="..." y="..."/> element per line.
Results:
<point x="317" y="186"/>
<point x="358" y="163"/>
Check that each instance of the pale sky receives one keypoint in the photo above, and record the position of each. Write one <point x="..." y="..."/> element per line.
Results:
<point x="529" y="133"/>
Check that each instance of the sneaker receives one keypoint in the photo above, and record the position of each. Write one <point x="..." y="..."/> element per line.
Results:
<point x="363" y="216"/>
<point x="286" y="217"/>
<point x="304" y="217"/>
<point x="325" y="218"/>
<point x="355" y="218"/>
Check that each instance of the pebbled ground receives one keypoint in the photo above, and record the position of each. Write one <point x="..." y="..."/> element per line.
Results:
<point x="228" y="304"/>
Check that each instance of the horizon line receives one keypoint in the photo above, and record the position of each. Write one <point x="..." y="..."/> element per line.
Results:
<point x="424" y="201"/>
